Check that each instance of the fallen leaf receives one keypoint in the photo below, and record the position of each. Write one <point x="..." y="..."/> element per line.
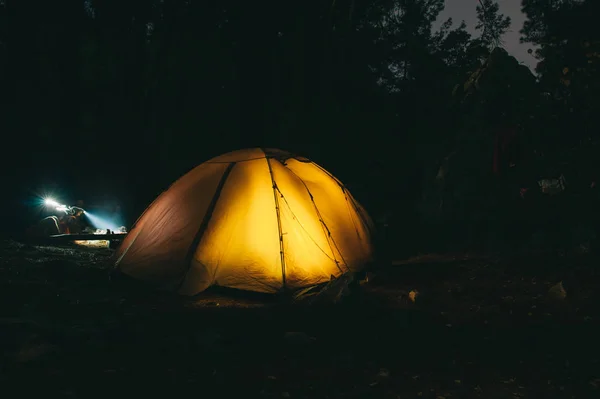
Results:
<point x="413" y="295"/>
<point x="557" y="291"/>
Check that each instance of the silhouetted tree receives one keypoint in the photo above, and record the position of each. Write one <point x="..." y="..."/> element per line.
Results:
<point x="151" y="88"/>
<point x="492" y="24"/>
<point x="568" y="47"/>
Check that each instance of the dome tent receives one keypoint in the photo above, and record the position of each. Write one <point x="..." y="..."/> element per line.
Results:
<point x="258" y="219"/>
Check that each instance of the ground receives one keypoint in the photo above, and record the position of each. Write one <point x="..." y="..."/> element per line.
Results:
<point x="480" y="327"/>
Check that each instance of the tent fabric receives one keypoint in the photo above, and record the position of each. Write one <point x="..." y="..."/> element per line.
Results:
<point x="258" y="219"/>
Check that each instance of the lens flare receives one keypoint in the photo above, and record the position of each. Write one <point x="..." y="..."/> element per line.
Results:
<point x="51" y="202"/>
<point x="100" y="223"/>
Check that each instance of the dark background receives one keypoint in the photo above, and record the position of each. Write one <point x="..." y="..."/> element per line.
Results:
<point x="110" y="101"/>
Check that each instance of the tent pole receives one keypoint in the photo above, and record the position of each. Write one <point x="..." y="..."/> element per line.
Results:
<point x="281" y="253"/>
<point x="204" y="224"/>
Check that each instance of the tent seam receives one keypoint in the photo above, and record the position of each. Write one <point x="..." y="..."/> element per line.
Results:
<point x="309" y="236"/>
<point x="204" y="223"/>
<point x="281" y="248"/>
<point x="343" y="187"/>
<point x="326" y="230"/>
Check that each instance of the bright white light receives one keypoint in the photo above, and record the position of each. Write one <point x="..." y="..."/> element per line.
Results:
<point x="62" y="208"/>
<point x="101" y="223"/>
<point x="51" y="202"/>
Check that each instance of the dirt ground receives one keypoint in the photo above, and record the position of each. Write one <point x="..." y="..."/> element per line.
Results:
<point x="478" y="328"/>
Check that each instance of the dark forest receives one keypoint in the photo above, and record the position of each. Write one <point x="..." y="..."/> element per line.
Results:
<point x="119" y="98"/>
<point x="479" y="171"/>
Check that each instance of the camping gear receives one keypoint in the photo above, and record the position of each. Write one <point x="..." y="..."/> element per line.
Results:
<point x="260" y="220"/>
<point x="553" y="186"/>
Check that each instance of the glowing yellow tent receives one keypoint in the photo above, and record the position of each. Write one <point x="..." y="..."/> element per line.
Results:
<point x="257" y="219"/>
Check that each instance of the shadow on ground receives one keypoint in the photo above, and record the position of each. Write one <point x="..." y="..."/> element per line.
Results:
<point x="478" y="328"/>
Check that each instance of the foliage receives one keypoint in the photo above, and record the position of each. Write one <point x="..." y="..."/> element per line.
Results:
<point x="365" y="88"/>
<point x="568" y="53"/>
<point x="492" y="24"/>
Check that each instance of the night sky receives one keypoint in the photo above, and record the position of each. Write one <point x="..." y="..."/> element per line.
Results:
<point x="460" y="10"/>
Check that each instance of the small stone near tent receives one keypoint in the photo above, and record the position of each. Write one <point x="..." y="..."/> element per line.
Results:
<point x="260" y="220"/>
